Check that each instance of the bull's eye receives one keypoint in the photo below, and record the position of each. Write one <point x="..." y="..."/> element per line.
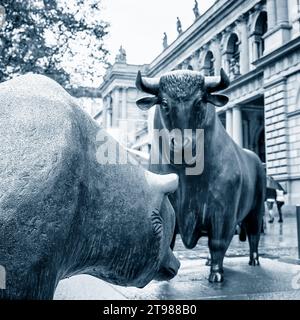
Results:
<point x="164" y="105"/>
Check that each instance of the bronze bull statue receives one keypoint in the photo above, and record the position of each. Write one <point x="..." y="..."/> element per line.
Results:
<point x="61" y="212"/>
<point x="230" y="189"/>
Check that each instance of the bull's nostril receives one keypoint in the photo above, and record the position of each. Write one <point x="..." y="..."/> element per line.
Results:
<point x="172" y="272"/>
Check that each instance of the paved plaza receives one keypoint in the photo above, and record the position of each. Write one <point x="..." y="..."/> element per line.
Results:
<point x="275" y="278"/>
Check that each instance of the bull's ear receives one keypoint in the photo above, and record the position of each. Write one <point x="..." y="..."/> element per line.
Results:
<point x="146" y="103"/>
<point x="217" y="99"/>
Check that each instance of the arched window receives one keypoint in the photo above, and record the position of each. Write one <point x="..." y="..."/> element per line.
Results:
<point x="209" y="67"/>
<point x="233" y="53"/>
<point x="261" y="27"/>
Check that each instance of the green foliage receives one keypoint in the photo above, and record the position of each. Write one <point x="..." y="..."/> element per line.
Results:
<point x="62" y="39"/>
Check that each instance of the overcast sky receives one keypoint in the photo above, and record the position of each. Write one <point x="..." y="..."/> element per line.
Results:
<point x="139" y="25"/>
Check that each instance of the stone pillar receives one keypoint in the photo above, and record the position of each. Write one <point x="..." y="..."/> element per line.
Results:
<point x="115" y="107"/>
<point x="218" y="62"/>
<point x="124" y="104"/>
<point x="244" y="47"/>
<point x="237" y="128"/>
<point x="223" y="52"/>
<point x="216" y="50"/>
<point x="282" y="12"/>
<point x="281" y="31"/>
<point x="295" y="16"/>
<point x="109" y="106"/>
<point x="122" y="117"/>
<point x="104" y="113"/>
<point x="218" y="58"/>
<point x="271" y="10"/>
<point x="229" y="121"/>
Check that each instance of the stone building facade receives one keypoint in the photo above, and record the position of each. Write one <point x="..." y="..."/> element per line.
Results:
<point x="257" y="42"/>
<point x="119" y="114"/>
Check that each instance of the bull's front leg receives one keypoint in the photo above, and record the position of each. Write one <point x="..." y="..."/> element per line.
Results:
<point x="219" y="239"/>
<point x="217" y="253"/>
<point x="176" y="231"/>
<point x="208" y="260"/>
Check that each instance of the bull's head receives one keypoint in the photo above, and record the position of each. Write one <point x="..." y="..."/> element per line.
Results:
<point x="182" y="96"/>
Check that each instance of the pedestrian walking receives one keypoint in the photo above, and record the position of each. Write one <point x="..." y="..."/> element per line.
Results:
<point x="271" y="196"/>
<point x="274" y="193"/>
<point x="280" y="203"/>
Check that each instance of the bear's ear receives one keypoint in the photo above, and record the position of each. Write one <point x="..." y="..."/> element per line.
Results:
<point x="146" y="103"/>
<point x="217" y="99"/>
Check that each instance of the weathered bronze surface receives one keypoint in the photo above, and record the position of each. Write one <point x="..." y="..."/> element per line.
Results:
<point x="230" y="191"/>
<point x="61" y="212"/>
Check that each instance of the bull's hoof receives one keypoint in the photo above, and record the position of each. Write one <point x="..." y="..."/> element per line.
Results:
<point x="254" y="262"/>
<point x="216" y="277"/>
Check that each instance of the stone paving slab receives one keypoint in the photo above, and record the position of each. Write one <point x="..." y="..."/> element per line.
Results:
<point x="272" y="280"/>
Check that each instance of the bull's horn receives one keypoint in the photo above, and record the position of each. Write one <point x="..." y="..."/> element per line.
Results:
<point x="217" y="83"/>
<point x="149" y="85"/>
<point x="167" y="183"/>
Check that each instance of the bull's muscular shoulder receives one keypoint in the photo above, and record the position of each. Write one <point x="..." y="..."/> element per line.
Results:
<point x="40" y="156"/>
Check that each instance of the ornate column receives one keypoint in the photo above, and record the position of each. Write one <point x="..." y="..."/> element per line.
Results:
<point x="217" y="54"/>
<point x="281" y="31"/>
<point x="104" y="113"/>
<point x="202" y="55"/>
<point x="115" y="107"/>
<point x="244" y="56"/>
<point x="295" y="15"/>
<point x="206" y="49"/>
<point x="282" y="12"/>
<point x="237" y="129"/>
<point x="124" y="104"/>
<point x="271" y="10"/>
<point x="108" y="119"/>
<point x="229" y="121"/>
<point x="223" y="50"/>
<point x="218" y="61"/>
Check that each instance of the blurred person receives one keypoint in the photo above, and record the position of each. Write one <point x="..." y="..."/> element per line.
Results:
<point x="280" y="203"/>
<point x="271" y="196"/>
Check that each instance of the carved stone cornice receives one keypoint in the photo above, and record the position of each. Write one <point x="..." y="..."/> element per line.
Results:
<point x="242" y="18"/>
<point x="205" y="47"/>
